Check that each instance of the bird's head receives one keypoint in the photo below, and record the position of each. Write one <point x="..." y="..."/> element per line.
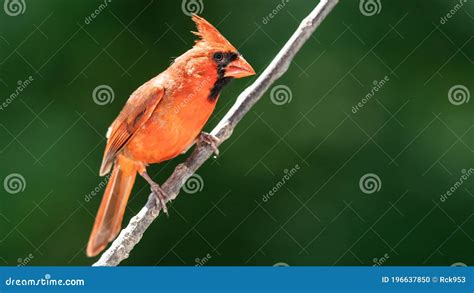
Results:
<point x="228" y="62"/>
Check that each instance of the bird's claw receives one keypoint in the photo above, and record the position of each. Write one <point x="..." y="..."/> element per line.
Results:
<point x="211" y="140"/>
<point x="160" y="196"/>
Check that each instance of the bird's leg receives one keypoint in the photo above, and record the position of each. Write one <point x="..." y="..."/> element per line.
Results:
<point x="210" y="140"/>
<point x="160" y="195"/>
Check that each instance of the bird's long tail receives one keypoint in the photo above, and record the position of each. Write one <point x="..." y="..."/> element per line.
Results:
<point x="112" y="208"/>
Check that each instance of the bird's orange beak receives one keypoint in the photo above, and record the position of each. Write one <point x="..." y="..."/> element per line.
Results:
<point x="239" y="68"/>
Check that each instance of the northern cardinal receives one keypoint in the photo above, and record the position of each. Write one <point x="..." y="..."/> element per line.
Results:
<point x="162" y="119"/>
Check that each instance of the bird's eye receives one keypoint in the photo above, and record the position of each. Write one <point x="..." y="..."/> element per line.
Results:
<point x="218" y="56"/>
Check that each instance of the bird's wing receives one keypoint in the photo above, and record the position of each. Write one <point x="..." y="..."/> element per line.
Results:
<point x="136" y="112"/>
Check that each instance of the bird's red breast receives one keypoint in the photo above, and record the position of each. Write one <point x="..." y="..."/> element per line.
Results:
<point x="176" y="121"/>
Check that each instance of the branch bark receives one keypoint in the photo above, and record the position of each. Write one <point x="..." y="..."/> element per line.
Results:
<point x="131" y="235"/>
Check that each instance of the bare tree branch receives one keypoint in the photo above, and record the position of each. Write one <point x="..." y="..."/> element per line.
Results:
<point x="131" y="235"/>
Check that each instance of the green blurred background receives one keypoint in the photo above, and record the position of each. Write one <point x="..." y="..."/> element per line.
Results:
<point x="410" y="137"/>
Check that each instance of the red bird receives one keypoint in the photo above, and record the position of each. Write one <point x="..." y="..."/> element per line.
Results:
<point x="162" y="119"/>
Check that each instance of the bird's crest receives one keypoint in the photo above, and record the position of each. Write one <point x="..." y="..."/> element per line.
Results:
<point x="209" y="35"/>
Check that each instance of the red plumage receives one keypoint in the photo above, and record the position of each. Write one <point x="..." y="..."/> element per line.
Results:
<point x="161" y="120"/>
